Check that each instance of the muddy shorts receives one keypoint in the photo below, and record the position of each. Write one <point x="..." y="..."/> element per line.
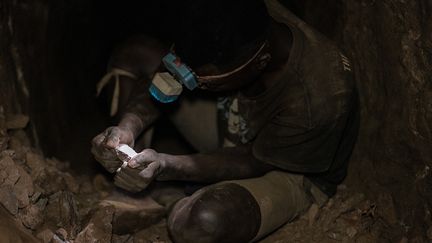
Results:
<point x="281" y="197"/>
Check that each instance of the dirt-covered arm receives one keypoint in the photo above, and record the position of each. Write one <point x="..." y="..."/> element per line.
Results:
<point x="142" y="57"/>
<point x="223" y="164"/>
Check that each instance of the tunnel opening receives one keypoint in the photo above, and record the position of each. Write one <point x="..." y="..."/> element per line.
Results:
<point x="52" y="54"/>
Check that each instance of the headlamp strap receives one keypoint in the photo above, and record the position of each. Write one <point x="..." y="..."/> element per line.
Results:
<point x="224" y="75"/>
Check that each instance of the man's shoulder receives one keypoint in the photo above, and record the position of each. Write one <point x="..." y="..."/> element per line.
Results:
<point x="326" y="74"/>
<point x="320" y="80"/>
<point x="318" y="90"/>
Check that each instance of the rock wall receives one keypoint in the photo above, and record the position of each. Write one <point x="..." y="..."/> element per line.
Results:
<point x="390" y="43"/>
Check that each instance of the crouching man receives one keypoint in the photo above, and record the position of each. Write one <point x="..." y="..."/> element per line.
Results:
<point x="277" y="138"/>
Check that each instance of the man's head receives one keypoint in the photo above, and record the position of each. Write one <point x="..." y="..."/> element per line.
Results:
<point x="219" y="36"/>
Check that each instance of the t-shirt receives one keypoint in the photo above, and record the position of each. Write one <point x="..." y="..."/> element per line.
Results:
<point x="307" y="121"/>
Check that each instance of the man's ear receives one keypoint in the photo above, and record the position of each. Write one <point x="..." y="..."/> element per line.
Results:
<point x="262" y="61"/>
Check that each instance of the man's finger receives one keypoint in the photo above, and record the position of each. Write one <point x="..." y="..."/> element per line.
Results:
<point x="98" y="140"/>
<point x="151" y="171"/>
<point x="132" y="176"/>
<point x="97" y="148"/>
<point x="143" y="158"/>
<point x="129" y="175"/>
<point x="112" y="139"/>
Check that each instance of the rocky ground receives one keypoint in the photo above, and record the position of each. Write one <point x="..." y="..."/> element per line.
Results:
<point x="43" y="200"/>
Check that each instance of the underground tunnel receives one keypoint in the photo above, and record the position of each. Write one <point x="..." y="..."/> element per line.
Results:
<point x="54" y="53"/>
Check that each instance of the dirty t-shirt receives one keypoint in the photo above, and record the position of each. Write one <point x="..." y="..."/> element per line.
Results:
<point x="307" y="121"/>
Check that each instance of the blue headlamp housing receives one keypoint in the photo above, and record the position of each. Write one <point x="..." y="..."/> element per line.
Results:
<point x="180" y="71"/>
<point x="166" y="87"/>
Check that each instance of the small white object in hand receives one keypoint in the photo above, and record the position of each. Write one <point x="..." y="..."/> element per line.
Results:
<point x="125" y="153"/>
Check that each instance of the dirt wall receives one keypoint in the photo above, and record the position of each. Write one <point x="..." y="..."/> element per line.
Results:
<point x="390" y="44"/>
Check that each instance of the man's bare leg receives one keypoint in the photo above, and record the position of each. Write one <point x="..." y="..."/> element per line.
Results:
<point x="242" y="210"/>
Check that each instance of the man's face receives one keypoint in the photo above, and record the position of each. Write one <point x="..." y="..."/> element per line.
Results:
<point x="213" y="78"/>
<point x="231" y="82"/>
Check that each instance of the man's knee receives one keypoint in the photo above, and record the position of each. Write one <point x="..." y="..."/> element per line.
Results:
<point x="220" y="213"/>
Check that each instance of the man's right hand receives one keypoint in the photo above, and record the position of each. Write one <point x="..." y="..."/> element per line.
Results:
<point x="104" y="144"/>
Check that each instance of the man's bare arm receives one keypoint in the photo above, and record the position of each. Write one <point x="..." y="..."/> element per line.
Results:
<point x="142" y="57"/>
<point x="223" y="164"/>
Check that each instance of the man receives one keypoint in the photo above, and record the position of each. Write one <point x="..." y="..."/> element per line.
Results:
<point x="287" y="112"/>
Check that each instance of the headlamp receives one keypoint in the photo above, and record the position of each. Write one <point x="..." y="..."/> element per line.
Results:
<point x="166" y="87"/>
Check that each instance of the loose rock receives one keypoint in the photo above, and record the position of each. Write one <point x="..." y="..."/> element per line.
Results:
<point x="62" y="234"/>
<point x="62" y="210"/>
<point x="51" y="180"/>
<point x="35" y="197"/>
<point x="9" y="173"/>
<point x="8" y="199"/>
<point x="313" y="213"/>
<point x="71" y="183"/>
<point x="23" y="188"/>
<point x="133" y="213"/>
<point x="45" y="236"/>
<point x="35" y="162"/>
<point x="99" y="229"/>
<point x="31" y="216"/>
<point x="16" y="121"/>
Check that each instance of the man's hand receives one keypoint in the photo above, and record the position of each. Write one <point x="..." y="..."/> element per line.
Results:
<point x="104" y="144"/>
<point x="141" y="171"/>
<point x="224" y="164"/>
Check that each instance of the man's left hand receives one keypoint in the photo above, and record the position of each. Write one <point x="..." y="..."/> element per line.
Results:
<point x="140" y="172"/>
